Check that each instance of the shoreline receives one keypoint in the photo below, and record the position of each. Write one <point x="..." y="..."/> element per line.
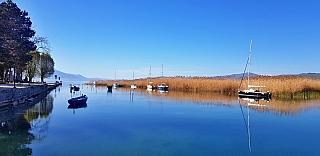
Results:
<point x="23" y="92"/>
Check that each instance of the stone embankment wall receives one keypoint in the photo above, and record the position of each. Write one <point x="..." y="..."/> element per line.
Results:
<point x="17" y="95"/>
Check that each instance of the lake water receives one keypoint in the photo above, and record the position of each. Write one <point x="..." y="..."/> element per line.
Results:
<point x="153" y="123"/>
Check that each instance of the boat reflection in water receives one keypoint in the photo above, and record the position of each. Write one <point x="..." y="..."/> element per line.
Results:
<point x="109" y="89"/>
<point x="150" y="89"/>
<point x="250" y="103"/>
<point x="73" y="106"/>
<point x="77" y="106"/>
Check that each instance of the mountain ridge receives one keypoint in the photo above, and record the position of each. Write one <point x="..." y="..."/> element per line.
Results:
<point x="70" y="77"/>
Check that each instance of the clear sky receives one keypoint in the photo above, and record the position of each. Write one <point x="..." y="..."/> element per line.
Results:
<point x="108" y="38"/>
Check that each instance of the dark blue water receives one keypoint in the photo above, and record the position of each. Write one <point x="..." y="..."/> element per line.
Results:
<point x="152" y="123"/>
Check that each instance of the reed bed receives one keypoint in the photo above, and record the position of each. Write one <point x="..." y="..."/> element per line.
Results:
<point x="280" y="86"/>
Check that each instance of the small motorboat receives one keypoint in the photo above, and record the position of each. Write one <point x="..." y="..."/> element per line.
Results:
<point x="78" y="100"/>
<point x="74" y="88"/>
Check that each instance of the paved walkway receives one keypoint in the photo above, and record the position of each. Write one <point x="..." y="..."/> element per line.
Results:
<point x="9" y="86"/>
<point x="18" y="85"/>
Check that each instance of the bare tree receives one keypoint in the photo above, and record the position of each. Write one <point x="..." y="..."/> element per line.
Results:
<point x="42" y="43"/>
<point x="46" y="66"/>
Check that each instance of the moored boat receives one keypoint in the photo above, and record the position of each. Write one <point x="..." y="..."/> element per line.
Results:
<point x="163" y="87"/>
<point x="78" y="100"/>
<point x="251" y="92"/>
<point x="74" y="88"/>
<point x="256" y="94"/>
<point x="133" y="86"/>
<point x="116" y="85"/>
<point x="150" y="86"/>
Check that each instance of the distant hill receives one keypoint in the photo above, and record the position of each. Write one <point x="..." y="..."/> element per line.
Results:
<point x="69" y="77"/>
<point x="314" y="75"/>
<point x="237" y="76"/>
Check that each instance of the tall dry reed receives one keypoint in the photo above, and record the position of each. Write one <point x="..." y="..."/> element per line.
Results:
<point x="275" y="84"/>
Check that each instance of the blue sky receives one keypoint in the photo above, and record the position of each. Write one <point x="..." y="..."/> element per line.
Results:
<point x="108" y="38"/>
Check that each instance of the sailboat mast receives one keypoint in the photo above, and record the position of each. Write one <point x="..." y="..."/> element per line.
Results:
<point x="162" y="72"/>
<point x="249" y="63"/>
<point x="149" y="74"/>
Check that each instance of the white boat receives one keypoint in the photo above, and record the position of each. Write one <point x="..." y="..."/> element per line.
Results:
<point x="116" y="85"/>
<point x="252" y="91"/>
<point x="133" y="86"/>
<point x="150" y="86"/>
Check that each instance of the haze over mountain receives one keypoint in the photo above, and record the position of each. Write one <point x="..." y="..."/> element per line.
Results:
<point x="70" y="77"/>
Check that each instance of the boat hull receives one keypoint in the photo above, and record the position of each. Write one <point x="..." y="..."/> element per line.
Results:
<point x="133" y="86"/>
<point x="78" y="100"/>
<point x="115" y="86"/>
<point x="258" y="95"/>
<point x="163" y="88"/>
<point x="151" y="87"/>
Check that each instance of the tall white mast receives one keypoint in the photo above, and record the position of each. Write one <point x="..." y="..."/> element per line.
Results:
<point x="162" y="71"/>
<point x="249" y="63"/>
<point x="150" y="72"/>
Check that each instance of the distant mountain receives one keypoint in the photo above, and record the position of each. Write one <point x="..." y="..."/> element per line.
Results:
<point x="237" y="76"/>
<point x="69" y="77"/>
<point x="314" y="75"/>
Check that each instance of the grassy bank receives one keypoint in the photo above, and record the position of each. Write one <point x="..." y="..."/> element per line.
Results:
<point x="277" y="85"/>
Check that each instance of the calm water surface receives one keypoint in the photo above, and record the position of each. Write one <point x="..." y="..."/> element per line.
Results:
<point x="152" y="123"/>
